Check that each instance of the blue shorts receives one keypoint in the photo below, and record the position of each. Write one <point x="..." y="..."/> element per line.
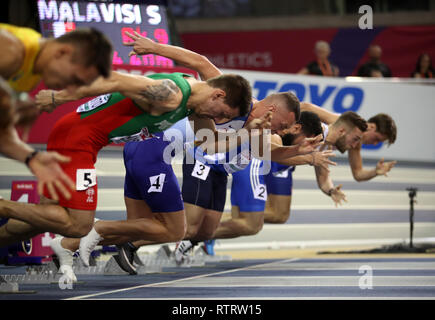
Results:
<point x="149" y="178"/>
<point x="280" y="179"/>
<point x="204" y="187"/>
<point x="248" y="190"/>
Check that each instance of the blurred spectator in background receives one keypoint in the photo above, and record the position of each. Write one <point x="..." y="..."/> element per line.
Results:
<point x="423" y="68"/>
<point x="374" y="63"/>
<point x="375" y="72"/>
<point x="322" y="66"/>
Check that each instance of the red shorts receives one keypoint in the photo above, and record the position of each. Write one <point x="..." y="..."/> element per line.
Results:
<point x="81" y="170"/>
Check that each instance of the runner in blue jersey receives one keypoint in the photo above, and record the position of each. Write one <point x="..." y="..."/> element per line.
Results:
<point x="279" y="181"/>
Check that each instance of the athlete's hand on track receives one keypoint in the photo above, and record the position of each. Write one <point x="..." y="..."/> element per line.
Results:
<point x="338" y="196"/>
<point x="382" y="168"/>
<point x="141" y="45"/>
<point x="45" y="166"/>
<point x="321" y="159"/>
<point x="44" y="101"/>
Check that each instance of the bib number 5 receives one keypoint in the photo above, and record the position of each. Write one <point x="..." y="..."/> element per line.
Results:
<point x="85" y="179"/>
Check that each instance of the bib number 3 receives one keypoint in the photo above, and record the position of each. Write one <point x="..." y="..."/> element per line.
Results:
<point x="200" y="171"/>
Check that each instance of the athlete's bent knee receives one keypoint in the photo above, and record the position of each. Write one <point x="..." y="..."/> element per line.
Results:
<point x="282" y="217"/>
<point x="176" y="234"/>
<point x="77" y="230"/>
<point x="252" y="229"/>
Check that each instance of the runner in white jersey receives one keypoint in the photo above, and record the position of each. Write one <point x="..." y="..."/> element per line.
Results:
<point x="380" y="128"/>
<point x="343" y="134"/>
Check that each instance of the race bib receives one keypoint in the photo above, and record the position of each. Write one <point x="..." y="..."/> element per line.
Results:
<point x="200" y="171"/>
<point x="94" y="103"/>
<point x="85" y="178"/>
<point x="157" y="183"/>
<point x="260" y="192"/>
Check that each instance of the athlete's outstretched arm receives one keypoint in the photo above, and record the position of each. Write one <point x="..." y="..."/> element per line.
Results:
<point x="44" y="165"/>
<point x="192" y="60"/>
<point x="48" y="100"/>
<point x="211" y="141"/>
<point x="308" y="145"/>
<point x="325" y="184"/>
<point x="316" y="158"/>
<point x="360" y="174"/>
<point x="156" y="92"/>
<point x="324" y="115"/>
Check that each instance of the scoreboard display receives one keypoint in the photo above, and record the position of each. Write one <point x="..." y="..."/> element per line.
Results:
<point x="113" y="18"/>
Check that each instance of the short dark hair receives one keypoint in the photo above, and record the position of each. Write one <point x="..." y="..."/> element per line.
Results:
<point x="311" y="124"/>
<point x="351" y="119"/>
<point x="385" y="125"/>
<point x="94" y="48"/>
<point x="238" y="91"/>
<point x="292" y="102"/>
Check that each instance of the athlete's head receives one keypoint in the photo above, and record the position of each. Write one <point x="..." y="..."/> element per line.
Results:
<point x="380" y="128"/>
<point x="308" y="126"/>
<point x="7" y="105"/>
<point x="77" y="58"/>
<point x="347" y="131"/>
<point x="229" y="96"/>
<point x="322" y="50"/>
<point x="285" y="108"/>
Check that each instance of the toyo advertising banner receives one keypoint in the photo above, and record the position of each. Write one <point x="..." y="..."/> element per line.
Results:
<point x="411" y="105"/>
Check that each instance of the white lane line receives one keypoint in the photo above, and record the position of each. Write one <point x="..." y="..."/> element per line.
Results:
<point x="178" y="280"/>
<point x="304" y="281"/>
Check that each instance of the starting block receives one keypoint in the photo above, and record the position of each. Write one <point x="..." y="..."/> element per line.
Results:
<point x="8" y="287"/>
<point x="163" y="257"/>
<point x="41" y="274"/>
<point x="200" y="255"/>
<point x="109" y="267"/>
<point x="112" y="268"/>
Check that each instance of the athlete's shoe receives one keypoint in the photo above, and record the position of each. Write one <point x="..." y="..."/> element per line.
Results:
<point x="88" y="244"/>
<point x="125" y="258"/>
<point x="65" y="258"/>
<point x="208" y="247"/>
<point x="182" y="249"/>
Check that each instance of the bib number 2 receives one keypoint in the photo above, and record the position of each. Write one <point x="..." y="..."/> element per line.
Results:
<point x="260" y="192"/>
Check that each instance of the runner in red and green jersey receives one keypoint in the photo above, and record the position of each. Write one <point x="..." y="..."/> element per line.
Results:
<point x="136" y="107"/>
